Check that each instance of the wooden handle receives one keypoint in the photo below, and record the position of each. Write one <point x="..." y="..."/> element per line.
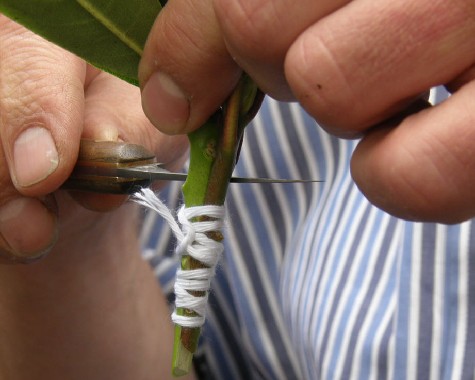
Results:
<point x="107" y="154"/>
<point x="113" y="153"/>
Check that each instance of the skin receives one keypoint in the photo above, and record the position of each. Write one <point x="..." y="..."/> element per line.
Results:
<point x="352" y="65"/>
<point x="87" y="306"/>
<point x="356" y="66"/>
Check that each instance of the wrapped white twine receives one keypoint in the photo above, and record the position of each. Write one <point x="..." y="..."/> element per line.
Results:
<point x="193" y="241"/>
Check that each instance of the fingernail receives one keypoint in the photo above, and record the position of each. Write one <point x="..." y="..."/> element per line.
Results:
<point x="28" y="229"/>
<point x="35" y="156"/>
<point x="165" y="104"/>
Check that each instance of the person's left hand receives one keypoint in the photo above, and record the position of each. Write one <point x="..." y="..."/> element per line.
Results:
<point x="63" y="316"/>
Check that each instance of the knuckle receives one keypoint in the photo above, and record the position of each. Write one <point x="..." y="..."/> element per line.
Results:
<point x="201" y="53"/>
<point x="320" y="84"/>
<point x="31" y="90"/>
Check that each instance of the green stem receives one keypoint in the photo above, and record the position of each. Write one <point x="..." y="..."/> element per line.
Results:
<point x="213" y="154"/>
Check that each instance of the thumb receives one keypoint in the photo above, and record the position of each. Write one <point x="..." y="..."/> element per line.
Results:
<point x="41" y="109"/>
<point x="41" y="115"/>
<point x="185" y="71"/>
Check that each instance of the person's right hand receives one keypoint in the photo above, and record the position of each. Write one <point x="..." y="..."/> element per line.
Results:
<point x="357" y="66"/>
<point x="49" y="99"/>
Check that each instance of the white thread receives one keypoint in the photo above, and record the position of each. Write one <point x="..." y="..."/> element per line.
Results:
<point x="192" y="241"/>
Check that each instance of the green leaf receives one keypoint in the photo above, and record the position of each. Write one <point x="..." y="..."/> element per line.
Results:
<point x="109" y="34"/>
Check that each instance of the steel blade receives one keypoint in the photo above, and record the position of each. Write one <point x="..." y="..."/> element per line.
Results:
<point x="154" y="172"/>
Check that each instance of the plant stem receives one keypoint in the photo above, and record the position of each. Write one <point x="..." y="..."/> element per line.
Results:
<point x="213" y="154"/>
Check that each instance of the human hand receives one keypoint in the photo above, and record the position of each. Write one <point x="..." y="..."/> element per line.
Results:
<point x="49" y="99"/>
<point x="356" y="66"/>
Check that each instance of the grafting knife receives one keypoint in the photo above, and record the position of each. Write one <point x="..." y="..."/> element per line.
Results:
<point x="121" y="168"/>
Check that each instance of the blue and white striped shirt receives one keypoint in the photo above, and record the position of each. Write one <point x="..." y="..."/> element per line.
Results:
<point x="315" y="282"/>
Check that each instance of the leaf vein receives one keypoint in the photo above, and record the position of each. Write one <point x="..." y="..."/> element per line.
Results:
<point x="109" y="24"/>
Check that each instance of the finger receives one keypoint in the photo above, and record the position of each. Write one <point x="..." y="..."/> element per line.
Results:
<point x="258" y="34"/>
<point x="423" y="169"/>
<point x="368" y="60"/>
<point x="185" y="71"/>
<point x="28" y="230"/>
<point x="113" y="112"/>
<point x="41" y="109"/>
<point x="40" y="115"/>
<point x="28" y="226"/>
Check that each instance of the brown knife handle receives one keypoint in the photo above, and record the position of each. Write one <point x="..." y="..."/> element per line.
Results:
<point x="113" y="153"/>
<point x="95" y="156"/>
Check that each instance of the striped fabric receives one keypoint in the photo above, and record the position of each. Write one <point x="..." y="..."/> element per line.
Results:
<point x="315" y="282"/>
